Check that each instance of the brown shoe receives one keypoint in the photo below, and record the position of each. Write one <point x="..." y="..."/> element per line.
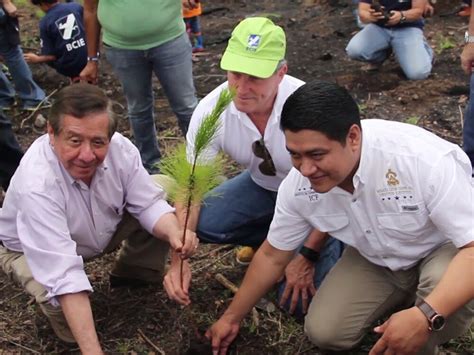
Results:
<point x="244" y="255"/>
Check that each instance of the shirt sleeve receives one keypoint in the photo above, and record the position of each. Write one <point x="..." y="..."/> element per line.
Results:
<point x="47" y="45"/>
<point x="288" y="229"/>
<point x="145" y="200"/>
<point x="449" y="196"/>
<point x="48" y="246"/>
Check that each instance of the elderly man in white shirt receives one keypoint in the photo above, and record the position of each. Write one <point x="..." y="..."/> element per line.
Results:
<point x="402" y="201"/>
<point x="79" y="191"/>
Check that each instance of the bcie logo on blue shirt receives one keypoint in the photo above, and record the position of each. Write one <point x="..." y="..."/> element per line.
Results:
<point x="68" y="28"/>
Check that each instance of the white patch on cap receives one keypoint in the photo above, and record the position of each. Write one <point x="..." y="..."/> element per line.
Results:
<point x="253" y="42"/>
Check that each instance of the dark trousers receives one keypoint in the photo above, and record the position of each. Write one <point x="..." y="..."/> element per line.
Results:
<point x="10" y="151"/>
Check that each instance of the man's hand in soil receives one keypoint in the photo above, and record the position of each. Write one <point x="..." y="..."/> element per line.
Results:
<point x="222" y="334"/>
<point x="299" y="276"/>
<point x="404" y="332"/>
<point x="90" y="73"/>
<point x="177" y="289"/>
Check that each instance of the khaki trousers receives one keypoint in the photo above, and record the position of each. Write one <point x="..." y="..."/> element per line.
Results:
<point x="142" y="257"/>
<point x="356" y="293"/>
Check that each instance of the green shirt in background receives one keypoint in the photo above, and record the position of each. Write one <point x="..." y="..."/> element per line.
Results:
<point x="139" y="24"/>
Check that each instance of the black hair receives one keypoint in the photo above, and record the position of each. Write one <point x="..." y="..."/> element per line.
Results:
<point x="39" y="2"/>
<point x="321" y="106"/>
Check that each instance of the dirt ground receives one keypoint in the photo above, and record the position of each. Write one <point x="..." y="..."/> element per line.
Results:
<point x="145" y="321"/>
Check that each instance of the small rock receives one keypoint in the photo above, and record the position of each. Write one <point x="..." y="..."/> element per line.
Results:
<point x="415" y="97"/>
<point x="109" y="92"/>
<point x="40" y="121"/>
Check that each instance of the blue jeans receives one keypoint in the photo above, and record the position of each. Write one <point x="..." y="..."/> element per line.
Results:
<point x="373" y="44"/>
<point x="28" y="91"/>
<point x="239" y="212"/>
<point x="171" y="62"/>
<point x="468" y="130"/>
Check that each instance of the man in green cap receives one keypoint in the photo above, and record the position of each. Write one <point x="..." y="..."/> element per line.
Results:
<point x="240" y="210"/>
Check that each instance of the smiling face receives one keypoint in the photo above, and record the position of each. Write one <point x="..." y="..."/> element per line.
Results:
<point x="255" y="95"/>
<point x="81" y="144"/>
<point x="326" y="163"/>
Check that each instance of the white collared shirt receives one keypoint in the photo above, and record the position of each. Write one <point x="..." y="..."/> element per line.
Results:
<point x="237" y="133"/>
<point x="412" y="194"/>
<point x="57" y="221"/>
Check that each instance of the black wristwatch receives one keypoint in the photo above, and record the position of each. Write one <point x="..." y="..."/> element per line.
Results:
<point x="310" y="254"/>
<point x="436" y="321"/>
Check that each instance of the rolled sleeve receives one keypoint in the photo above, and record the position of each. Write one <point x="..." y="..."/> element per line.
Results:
<point x="48" y="246"/>
<point x="288" y="229"/>
<point x="450" y="199"/>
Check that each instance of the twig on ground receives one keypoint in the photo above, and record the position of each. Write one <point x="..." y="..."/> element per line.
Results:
<point x="153" y="345"/>
<point x="215" y="251"/>
<point x="20" y="346"/>
<point x="212" y="262"/>
<point x="461" y="117"/>
<point x="37" y="107"/>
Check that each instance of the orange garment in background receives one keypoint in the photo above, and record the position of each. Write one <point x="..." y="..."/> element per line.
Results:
<point x="187" y="13"/>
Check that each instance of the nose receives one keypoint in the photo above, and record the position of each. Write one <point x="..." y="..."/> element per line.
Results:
<point x="307" y="167"/>
<point x="86" y="153"/>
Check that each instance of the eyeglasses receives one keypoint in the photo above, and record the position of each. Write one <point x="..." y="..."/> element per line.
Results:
<point x="266" y="167"/>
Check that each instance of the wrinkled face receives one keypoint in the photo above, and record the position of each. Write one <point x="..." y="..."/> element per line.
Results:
<point x="255" y="95"/>
<point x="325" y="162"/>
<point x="81" y="144"/>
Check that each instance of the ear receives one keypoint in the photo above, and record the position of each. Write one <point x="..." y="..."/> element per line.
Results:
<point x="354" y="137"/>
<point x="282" y="71"/>
<point x="50" y="133"/>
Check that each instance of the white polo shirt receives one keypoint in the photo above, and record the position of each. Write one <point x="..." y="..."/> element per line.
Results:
<point x="57" y="221"/>
<point x="237" y="133"/>
<point x="412" y="194"/>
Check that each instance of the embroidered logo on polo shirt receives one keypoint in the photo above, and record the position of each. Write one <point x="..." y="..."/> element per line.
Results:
<point x="253" y="42"/>
<point x="392" y="178"/>
<point x="308" y="192"/>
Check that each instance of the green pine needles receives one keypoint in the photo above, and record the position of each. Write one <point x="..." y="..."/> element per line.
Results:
<point x="190" y="181"/>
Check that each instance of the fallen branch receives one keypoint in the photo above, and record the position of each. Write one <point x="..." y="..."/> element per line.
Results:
<point x="21" y="346"/>
<point x="212" y="262"/>
<point x="153" y="345"/>
<point x="37" y="107"/>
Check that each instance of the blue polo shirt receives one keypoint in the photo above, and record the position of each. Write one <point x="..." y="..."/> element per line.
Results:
<point x="62" y="35"/>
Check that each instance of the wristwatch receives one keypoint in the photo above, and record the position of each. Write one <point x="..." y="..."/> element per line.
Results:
<point x="310" y="254"/>
<point x="403" y="18"/>
<point x="436" y="321"/>
<point x="468" y="38"/>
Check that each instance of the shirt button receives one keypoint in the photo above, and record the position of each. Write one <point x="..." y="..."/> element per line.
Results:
<point x="368" y="231"/>
<point x="354" y="200"/>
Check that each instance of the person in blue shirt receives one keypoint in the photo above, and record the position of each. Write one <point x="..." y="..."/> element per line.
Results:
<point x="63" y="43"/>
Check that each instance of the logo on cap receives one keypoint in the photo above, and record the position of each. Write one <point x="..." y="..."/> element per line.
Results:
<point x="253" y="43"/>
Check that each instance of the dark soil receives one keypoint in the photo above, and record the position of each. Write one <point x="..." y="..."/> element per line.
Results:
<point x="145" y="321"/>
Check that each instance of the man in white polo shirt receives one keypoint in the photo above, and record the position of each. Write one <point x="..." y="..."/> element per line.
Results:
<point x="79" y="191"/>
<point x="240" y="210"/>
<point x="402" y="201"/>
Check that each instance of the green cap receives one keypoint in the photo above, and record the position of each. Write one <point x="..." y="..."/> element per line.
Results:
<point x="256" y="47"/>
